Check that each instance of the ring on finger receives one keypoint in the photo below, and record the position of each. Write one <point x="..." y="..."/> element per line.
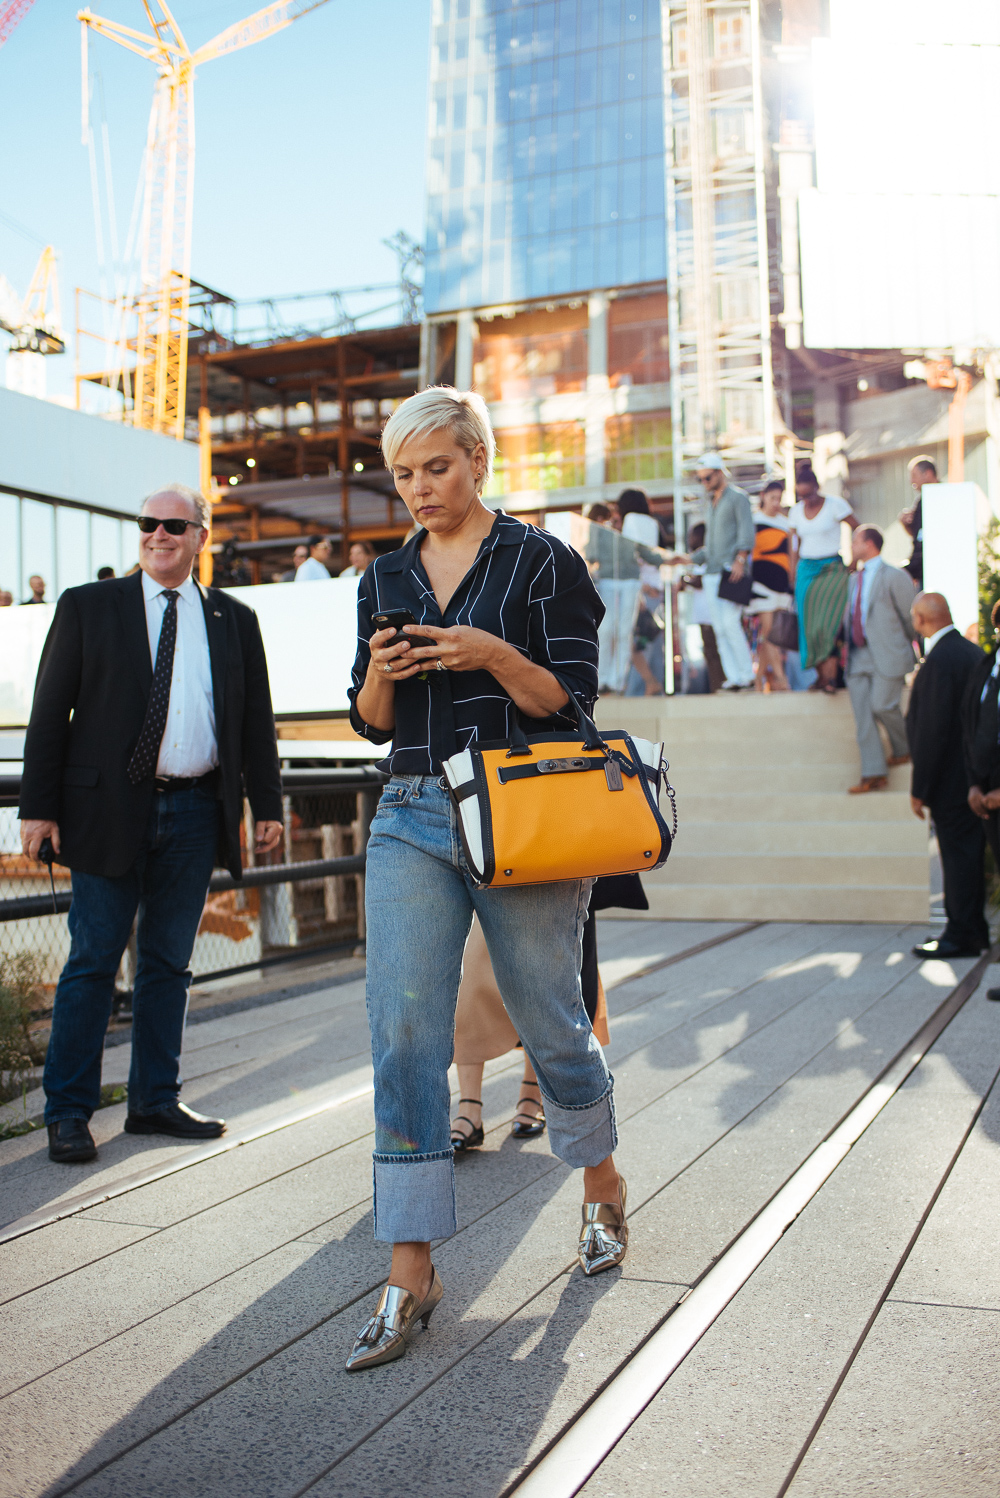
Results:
<point x="441" y="665"/>
<point x="387" y="667"/>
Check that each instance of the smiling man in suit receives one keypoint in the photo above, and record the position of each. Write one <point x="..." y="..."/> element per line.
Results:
<point x="940" y="782"/>
<point x="152" y="715"/>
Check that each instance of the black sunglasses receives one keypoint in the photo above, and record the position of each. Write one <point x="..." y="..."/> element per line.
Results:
<point x="148" y="524"/>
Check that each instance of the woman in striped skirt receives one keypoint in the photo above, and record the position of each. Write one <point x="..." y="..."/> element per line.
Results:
<point x="821" y="578"/>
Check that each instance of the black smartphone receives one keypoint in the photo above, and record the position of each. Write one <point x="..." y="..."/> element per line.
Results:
<point x="395" y="619"/>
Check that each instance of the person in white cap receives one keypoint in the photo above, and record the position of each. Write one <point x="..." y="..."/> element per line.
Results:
<point x="729" y="538"/>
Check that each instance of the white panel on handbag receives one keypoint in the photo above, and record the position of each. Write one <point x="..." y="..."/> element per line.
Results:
<point x="458" y="771"/>
<point x="652" y="755"/>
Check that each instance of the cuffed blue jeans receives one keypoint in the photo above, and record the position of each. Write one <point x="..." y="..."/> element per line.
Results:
<point x="419" y="900"/>
<point x="167" y="885"/>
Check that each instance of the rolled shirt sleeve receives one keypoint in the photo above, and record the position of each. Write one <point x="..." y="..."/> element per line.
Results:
<point x="744" y="523"/>
<point x="564" y="610"/>
<point x="361" y="663"/>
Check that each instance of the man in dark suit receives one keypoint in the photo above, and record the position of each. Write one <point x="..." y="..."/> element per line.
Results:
<point x="939" y="781"/>
<point x="152" y="714"/>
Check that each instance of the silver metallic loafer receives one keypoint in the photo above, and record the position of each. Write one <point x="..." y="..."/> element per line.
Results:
<point x="383" y="1339"/>
<point x="604" y="1236"/>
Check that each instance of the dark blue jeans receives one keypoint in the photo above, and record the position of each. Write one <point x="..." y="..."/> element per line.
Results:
<point x="167" y="885"/>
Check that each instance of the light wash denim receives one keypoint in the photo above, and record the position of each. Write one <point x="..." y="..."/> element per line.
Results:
<point x="419" y="901"/>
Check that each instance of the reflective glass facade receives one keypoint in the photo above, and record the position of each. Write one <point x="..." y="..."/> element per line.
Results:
<point x="60" y="543"/>
<point x="545" y="168"/>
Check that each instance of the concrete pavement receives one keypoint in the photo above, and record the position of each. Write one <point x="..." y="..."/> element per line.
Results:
<point x="187" y="1336"/>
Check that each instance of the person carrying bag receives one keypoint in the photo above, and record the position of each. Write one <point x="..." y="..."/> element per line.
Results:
<point x="504" y="627"/>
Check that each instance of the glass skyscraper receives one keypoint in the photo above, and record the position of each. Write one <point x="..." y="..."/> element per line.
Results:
<point x="545" y="151"/>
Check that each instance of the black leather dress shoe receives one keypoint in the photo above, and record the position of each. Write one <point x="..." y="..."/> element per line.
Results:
<point x="175" y="1119"/>
<point x="944" y="949"/>
<point x="994" y="994"/>
<point x="71" y="1142"/>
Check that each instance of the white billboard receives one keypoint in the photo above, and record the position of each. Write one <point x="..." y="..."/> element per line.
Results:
<point x="884" y="270"/>
<point x="900" y="239"/>
<point x="310" y="633"/>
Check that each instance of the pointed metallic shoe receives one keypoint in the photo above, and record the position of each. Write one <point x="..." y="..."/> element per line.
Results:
<point x="604" y="1237"/>
<point x="383" y="1339"/>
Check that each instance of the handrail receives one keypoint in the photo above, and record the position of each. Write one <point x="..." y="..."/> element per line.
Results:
<point x="311" y="778"/>
<point x="362" y="778"/>
<point x="29" y="906"/>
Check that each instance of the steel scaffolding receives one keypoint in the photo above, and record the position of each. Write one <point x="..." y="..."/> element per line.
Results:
<point x="717" y="257"/>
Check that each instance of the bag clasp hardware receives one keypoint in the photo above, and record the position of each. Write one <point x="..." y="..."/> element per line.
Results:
<point x="562" y="766"/>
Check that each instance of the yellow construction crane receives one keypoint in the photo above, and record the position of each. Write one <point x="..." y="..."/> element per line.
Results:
<point x="160" y="380"/>
<point x="34" y="324"/>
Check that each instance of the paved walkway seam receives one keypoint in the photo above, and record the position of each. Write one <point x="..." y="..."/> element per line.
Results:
<point x="883" y="1298"/>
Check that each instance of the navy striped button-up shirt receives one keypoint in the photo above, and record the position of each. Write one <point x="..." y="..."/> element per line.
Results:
<point x="526" y="587"/>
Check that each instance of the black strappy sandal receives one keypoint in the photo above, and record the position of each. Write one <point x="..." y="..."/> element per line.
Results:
<point x="461" y="1142"/>
<point x="536" y="1126"/>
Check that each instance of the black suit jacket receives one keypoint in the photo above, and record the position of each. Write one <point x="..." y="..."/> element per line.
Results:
<point x="982" y="766"/>
<point x="90" y="702"/>
<point x="934" y="720"/>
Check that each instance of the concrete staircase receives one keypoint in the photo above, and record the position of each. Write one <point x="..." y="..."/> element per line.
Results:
<point x="766" y="829"/>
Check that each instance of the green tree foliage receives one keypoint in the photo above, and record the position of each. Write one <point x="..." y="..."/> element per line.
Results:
<point x="989" y="581"/>
<point x="22" y="998"/>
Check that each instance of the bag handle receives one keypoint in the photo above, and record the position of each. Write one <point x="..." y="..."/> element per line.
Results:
<point x="589" y="731"/>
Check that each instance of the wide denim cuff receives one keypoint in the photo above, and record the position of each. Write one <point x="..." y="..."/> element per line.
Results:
<point x="583" y="1135"/>
<point x="414" y="1199"/>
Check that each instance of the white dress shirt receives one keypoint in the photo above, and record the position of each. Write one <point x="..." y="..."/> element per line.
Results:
<point x="311" y="571"/>
<point x="189" y="746"/>
<point x="932" y="640"/>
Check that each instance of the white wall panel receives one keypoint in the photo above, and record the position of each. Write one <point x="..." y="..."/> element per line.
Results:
<point x="310" y="633"/>
<point x="68" y="455"/>
<point x="954" y="517"/>
<point x="896" y="271"/>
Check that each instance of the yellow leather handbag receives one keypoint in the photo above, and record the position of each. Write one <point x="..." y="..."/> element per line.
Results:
<point x="543" y="807"/>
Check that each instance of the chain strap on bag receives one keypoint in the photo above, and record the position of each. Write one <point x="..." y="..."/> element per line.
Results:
<point x="537" y="808"/>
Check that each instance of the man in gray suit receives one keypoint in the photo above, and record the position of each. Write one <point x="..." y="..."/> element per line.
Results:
<point x="880" y="637"/>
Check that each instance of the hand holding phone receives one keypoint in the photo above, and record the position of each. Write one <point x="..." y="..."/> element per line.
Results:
<point x="395" y="619"/>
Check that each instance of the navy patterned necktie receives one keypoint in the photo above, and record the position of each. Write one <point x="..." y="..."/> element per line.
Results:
<point x="142" y="765"/>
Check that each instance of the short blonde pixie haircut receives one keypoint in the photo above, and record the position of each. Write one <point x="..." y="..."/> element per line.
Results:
<point x="462" y="413"/>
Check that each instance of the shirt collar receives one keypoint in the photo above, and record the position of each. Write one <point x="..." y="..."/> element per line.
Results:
<point x="188" y="589"/>
<point x="505" y="531"/>
<point x="932" y="640"/>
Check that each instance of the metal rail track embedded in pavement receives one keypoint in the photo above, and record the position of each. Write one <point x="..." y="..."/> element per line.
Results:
<point x="575" y="1455"/>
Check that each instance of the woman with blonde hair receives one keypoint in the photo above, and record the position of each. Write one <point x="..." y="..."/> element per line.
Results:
<point x="505" y="622"/>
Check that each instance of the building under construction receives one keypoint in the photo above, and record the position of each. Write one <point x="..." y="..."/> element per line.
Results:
<point x="615" y="209"/>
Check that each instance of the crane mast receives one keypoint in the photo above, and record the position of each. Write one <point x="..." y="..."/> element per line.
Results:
<point x="10" y="14"/>
<point x="157" y="389"/>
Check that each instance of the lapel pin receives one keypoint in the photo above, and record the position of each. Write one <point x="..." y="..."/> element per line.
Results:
<point x="217" y="614"/>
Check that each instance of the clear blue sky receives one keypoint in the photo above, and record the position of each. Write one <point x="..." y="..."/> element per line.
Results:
<point x="310" y="145"/>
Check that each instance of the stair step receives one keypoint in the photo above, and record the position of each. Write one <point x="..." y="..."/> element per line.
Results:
<point x="782" y="902"/>
<point x="743" y="838"/>
<point x="704" y="778"/>
<point x="794" y="869"/>
<point x="767" y="831"/>
<point x="784" y="806"/>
